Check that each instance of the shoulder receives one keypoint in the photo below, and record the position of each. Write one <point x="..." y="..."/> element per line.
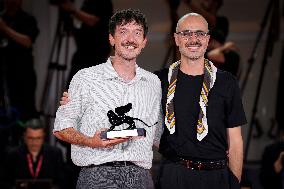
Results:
<point x="48" y="149"/>
<point x="162" y="74"/>
<point x="26" y="16"/>
<point x="226" y="77"/>
<point x="151" y="77"/>
<point x="91" y="73"/>
<point x="226" y="83"/>
<point x="14" y="151"/>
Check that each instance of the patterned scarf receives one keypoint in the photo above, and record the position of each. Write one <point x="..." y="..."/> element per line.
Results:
<point x="208" y="82"/>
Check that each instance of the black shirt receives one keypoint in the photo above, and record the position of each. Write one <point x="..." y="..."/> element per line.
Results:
<point x="93" y="40"/>
<point x="225" y="110"/>
<point x="16" y="165"/>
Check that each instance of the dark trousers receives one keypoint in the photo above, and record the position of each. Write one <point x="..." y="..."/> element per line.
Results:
<point x="176" y="175"/>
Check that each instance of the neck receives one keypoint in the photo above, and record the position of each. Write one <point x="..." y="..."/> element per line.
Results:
<point x="34" y="155"/>
<point x="192" y="67"/>
<point x="124" y="68"/>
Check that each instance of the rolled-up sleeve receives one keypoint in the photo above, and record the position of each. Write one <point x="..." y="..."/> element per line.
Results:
<point x="70" y="115"/>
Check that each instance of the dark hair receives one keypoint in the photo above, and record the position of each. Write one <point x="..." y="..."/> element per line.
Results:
<point x="35" y="123"/>
<point x="127" y="16"/>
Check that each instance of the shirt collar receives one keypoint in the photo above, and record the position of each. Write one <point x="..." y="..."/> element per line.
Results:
<point x="110" y="73"/>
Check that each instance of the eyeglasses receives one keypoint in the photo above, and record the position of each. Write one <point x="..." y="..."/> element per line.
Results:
<point x="186" y="34"/>
<point x="35" y="139"/>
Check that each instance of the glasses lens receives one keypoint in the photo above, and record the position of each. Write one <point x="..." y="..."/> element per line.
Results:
<point x="200" y="34"/>
<point x="188" y="34"/>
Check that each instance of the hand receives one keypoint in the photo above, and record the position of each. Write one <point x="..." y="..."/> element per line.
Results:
<point x="97" y="142"/>
<point x="64" y="99"/>
<point x="278" y="163"/>
<point x="68" y="7"/>
<point x="230" y="46"/>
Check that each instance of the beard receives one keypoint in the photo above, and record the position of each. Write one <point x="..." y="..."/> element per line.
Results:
<point x="194" y="58"/>
<point x="128" y="56"/>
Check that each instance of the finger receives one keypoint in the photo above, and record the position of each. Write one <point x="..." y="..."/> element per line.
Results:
<point x="66" y="99"/>
<point x="62" y="102"/>
<point x="112" y="142"/>
<point x="65" y="94"/>
<point x="118" y="141"/>
<point x="63" y="98"/>
<point x="108" y="144"/>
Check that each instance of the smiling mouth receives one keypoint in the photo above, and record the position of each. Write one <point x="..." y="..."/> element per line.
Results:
<point x="193" y="48"/>
<point x="130" y="47"/>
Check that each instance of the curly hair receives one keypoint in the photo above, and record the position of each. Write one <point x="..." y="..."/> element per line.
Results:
<point x="127" y="16"/>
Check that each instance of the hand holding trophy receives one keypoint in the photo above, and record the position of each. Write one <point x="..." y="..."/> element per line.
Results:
<point x="119" y="117"/>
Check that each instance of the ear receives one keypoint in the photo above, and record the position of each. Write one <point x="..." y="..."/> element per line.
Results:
<point x="144" y="42"/>
<point x="208" y="39"/>
<point x="176" y="39"/>
<point x="111" y="40"/>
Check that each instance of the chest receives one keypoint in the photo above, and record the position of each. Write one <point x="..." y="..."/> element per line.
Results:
<point x="111" y="95"/>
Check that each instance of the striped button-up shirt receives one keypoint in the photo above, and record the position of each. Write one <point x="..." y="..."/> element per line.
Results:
<point x="96" y="90"/>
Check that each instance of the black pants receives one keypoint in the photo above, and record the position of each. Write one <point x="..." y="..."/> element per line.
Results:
<point x="175" y="175"/>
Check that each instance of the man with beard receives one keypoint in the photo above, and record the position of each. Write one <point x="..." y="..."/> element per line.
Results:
<point x="202" y="142"/>
<point x="94" y="91"/>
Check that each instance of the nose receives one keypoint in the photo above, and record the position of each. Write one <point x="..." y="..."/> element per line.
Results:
<point x="130" y="37"/>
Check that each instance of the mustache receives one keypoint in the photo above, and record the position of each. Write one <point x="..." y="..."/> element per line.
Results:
<point x="129" y="43"/>
<point x="197" y="43"/>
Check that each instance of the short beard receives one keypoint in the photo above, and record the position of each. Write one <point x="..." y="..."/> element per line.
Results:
<point x="194" y="58"/>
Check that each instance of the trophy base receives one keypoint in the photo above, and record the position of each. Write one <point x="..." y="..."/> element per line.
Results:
<point x="123" y="133"/>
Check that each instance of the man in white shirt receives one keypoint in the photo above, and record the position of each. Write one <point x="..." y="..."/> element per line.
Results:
<point x="120" y="162"/>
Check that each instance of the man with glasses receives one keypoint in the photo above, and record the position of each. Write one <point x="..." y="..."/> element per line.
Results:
<point x="202" y="143"/>
<point x="201" y="140"/>
<point x="34" y="160"/>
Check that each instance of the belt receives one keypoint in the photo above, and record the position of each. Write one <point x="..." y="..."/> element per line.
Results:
<point x="204" y="165"/>
<point x="114" y="164"/>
